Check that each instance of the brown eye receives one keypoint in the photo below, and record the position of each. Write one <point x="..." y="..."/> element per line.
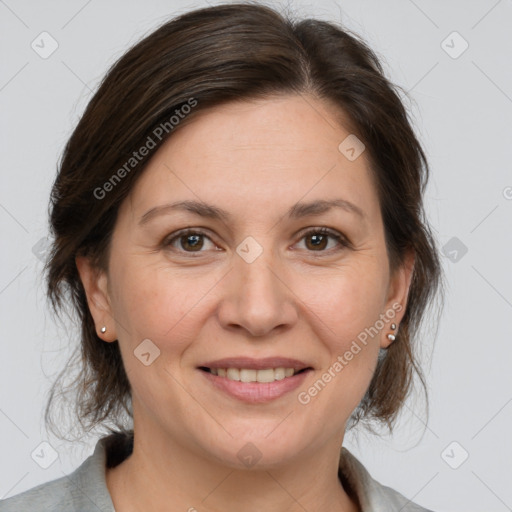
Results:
<point x="317" y="240"/>
<point x="195" y="242"/>
<point x="188" y="241"/>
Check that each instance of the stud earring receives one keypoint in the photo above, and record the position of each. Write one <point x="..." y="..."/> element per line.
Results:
<point x="392" y="337"/>
<point x="103" y="329"/>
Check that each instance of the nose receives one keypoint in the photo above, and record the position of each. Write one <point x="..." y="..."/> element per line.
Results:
<point x="257" y="298"/>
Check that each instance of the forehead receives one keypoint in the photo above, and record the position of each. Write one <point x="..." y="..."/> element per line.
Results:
<point x="257" y="154"/>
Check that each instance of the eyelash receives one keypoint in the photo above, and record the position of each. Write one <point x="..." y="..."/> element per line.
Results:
<point x="342" y="241"/>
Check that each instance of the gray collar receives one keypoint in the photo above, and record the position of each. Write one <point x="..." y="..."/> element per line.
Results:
<point x="85" y="490"/>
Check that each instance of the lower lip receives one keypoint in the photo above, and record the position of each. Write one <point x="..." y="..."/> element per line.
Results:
<point x="256" y="392"/>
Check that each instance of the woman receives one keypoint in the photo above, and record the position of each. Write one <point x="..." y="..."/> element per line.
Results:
<point x="239" y="225"/>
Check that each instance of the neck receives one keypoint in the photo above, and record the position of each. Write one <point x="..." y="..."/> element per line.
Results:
<point x="164" y="476"/>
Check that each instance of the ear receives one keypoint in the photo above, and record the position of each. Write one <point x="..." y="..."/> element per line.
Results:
<point x="398" y="292"/>
<point x="95" y="283"/>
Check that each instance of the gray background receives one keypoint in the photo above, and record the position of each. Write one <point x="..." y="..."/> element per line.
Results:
<point x="462" y="109"/>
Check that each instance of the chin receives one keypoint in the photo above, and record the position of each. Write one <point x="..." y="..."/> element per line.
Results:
<point x="257" y="448"/>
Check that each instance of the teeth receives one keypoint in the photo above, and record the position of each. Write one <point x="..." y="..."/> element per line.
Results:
<point x="250" y="375"/>
<point x="265" y="375"/>
<point x="280" y="373"/>
<point x="233" y="374"/>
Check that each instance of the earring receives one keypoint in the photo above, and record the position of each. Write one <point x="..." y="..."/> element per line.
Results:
<point x="103" y="329"/>
<point x="392" y="337"/>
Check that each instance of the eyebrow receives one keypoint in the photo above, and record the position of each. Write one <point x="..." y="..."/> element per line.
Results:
<point x="297" y="211"/>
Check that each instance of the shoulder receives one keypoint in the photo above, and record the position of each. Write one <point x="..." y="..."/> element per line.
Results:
<point x="372" y="495"/>
<point x="56" y="495"/>
<point x="82" y="491"/>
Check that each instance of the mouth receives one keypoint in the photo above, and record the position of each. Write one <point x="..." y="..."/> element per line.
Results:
<point x="255" y="380"/>
<point x="253" y="375"/>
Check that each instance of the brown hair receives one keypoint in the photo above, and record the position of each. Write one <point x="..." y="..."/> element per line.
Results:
<point x="212" y="56"/>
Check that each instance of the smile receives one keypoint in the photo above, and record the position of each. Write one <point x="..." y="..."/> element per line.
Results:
<point x="252" y="375"/>
<point x="254" y="386"/>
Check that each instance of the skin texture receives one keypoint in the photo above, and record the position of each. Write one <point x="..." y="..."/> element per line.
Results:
<point x="256" y="160"/>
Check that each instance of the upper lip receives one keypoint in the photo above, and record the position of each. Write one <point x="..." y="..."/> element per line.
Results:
<point x="256" y="364"/>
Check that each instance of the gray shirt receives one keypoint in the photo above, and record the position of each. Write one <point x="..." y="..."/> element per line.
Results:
<point x="85" y="490"/>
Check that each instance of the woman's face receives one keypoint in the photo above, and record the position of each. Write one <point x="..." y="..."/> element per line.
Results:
<point x="254" y="279"/>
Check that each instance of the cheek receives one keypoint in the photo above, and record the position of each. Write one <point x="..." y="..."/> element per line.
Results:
<point x="347" y="307"/>
<point x="153" y="302"/>
<point x="346" y="302"/>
